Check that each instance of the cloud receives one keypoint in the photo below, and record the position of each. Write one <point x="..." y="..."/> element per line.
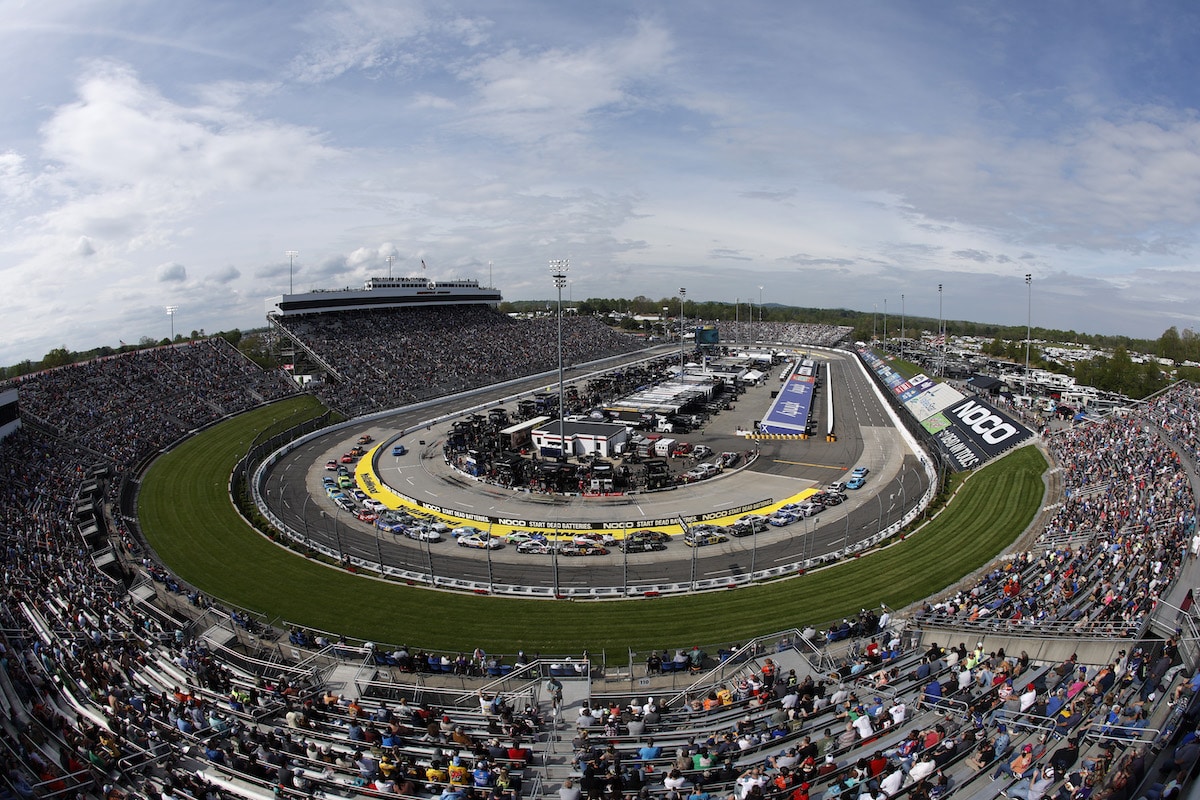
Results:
<point x="227" y="275"/>
<point x="361" y="36"/>
<point x="84" y="247"/>
<point x="726" y="253"/>
<point x="171" y="273"/>
<point x="552" y="95"/>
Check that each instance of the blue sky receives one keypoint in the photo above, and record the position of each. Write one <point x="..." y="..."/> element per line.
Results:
<point x="836" y="154"/>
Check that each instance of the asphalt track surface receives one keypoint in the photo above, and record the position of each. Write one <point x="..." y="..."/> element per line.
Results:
<point x="782" y="470"/>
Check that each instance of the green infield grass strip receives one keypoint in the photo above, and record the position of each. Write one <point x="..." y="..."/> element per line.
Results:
<point x="188" y="519"/>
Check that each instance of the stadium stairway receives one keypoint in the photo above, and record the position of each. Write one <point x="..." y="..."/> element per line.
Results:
<point x="557" y="750"/>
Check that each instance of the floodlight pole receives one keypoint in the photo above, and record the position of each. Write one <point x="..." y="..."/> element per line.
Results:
<point x="1028" y="324"/>
<point x="902" y="334"/>
<point x="760" y="305"/>
<point x="558" y="270"/>
<point x="171" y="315"/>
<point x="682" y="295"/>
<point x="391" y="260"/>
<point x="941" y="335"/>
<point x="885" y="323"/>
<point x="291" y="254"/>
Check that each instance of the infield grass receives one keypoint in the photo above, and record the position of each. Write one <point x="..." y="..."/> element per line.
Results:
<point x="188" y="519"/>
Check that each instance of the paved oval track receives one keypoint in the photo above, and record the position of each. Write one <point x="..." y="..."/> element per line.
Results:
<point x="783" y="468"/>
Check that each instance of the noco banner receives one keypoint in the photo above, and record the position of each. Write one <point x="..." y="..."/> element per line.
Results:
<point x="973" y="431"/>
<point x="968" y="430"/>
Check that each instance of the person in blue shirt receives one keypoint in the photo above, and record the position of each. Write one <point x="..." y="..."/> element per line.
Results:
<point x="649" y="751"/>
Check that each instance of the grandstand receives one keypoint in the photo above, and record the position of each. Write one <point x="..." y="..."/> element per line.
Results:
<point x="119" y="681"/>
<point x="370" y="360"/>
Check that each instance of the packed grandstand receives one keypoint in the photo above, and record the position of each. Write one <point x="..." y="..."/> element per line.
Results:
<point x="108" y="694"/>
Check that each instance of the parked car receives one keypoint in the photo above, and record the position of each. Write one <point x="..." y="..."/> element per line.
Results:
<point x="730" y="459"/>
<point x="701" y="451"/>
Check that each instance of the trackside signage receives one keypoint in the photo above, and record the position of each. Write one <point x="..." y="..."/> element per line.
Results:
<point x="973" y="431"/>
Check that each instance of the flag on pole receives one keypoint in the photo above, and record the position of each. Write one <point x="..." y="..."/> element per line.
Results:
<point x="422" y="263"/>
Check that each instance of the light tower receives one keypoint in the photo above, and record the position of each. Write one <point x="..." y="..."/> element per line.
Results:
<point x="682" y="295"/>
<point x="171" y="315"/>
<point x="291" y="254"/>
<point x="1028" y="323"/>
<point x="391" y="260"/>
<point x="558" y="271"/>
<point x="941" y="364"/>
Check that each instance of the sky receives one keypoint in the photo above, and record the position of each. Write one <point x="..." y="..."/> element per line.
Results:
<point x="846" y="155"/>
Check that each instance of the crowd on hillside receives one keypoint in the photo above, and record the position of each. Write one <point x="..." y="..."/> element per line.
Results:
<point x="127" y="406"/>
<point x="392" y="357"/>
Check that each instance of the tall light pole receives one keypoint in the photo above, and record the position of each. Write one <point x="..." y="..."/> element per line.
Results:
<point x="682" y="295"/>
<point x="760" y="304"/>
<point x="885" y="323"/>
<point x="941" y="371"/>
<point x="874" y="323"/>
<point x="391" y="260"/>
<point x="902" y="335"/>
<point x="1028" y="324"/>
<point x="558" y="270"/>
<point x="737" y="313"/>
<point x="291" y="254"/>
<point x="171" y="315"/>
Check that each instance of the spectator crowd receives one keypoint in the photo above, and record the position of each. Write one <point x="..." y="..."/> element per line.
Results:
<point x="108" y="696"/>
<point x="386" y="358"/>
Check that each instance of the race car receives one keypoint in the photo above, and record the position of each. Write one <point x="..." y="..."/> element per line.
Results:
<point x="579" y="549"/>
<point x="480" y="542"/>
<point x="632" y="545"/>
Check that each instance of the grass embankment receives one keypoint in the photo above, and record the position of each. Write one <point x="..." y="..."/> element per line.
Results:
<point x="187" y="517"/>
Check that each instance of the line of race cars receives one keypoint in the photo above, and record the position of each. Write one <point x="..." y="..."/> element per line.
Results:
<point x="425" y="527"/>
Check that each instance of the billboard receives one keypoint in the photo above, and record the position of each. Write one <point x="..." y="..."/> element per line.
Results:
<point x="789" y="413"/>
<point x="972" y="431"/>
<point x="936" y="398"/>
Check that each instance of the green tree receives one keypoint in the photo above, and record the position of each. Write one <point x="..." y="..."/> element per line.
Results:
<point x="58" y="357"/>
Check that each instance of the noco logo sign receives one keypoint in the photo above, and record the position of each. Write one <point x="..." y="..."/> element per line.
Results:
<point x="990" y="430"/>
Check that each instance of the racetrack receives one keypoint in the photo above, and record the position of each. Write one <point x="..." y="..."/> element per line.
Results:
<point x="786" y="470"/>
<point x="188" y="520"/>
